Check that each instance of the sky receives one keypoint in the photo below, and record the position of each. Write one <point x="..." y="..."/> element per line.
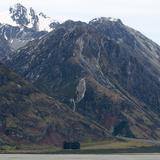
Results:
<point x="142" y="15"/>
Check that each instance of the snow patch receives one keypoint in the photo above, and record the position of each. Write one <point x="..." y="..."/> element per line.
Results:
<point x="74" y="104"/>
<point x="5" y="36"/>
<point x="80" y="90"/>
<point x="103" y="19"/>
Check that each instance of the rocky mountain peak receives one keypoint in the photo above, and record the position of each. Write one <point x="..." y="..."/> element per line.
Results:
<point x="24" y="17"/>
<point x="34" y="19"/>
<point x="106" y="20"/>
<point x="19" y="14"/>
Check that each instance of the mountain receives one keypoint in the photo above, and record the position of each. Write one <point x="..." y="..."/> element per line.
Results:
<point x="28" y="116"/>
<point x="24" y="17"/>
<point x="104" y="70"/>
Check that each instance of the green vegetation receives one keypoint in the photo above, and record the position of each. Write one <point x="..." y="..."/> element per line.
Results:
<point x="114" y="146"/>
<point x="28" y="117"/>
<point x="99" y="147"/>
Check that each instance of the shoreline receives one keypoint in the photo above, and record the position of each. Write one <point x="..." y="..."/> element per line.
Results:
<point x="126" y="151"/>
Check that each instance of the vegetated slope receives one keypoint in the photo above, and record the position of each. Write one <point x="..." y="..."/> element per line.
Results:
<point x="28" y="116"/>
<point x="103" y="70"/>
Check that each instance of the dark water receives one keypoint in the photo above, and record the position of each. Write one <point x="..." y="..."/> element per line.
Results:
<point x="79" y="157"/>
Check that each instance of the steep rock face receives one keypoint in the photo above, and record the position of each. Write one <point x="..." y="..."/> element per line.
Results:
<point x="4" y="48"/>
<point x="29" y="116"/>
<point x="17" y="37"/>
<point x="120" y="91"/>
<point x="13" y="38"/>
<point x="25" y="26"/>
<point x="134" y="62"/>
<point x="19" y="14"/>
<point x="24" y="17"/>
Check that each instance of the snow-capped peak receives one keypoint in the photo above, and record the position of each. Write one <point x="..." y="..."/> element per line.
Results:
<point x="27" y="17"/>
<point x="105" y="19"/>
<point x="19" y="14"/>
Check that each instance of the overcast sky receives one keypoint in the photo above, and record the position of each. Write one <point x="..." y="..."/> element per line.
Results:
<point x="143" y="15"/>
